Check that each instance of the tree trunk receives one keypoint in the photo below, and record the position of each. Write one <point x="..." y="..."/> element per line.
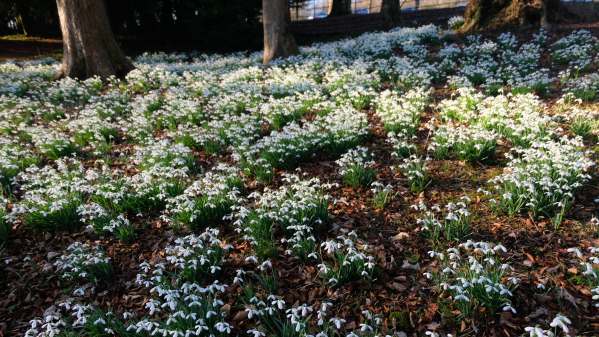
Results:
<point x="89" y="45"/>
<point x="391" y="11"/>
<point x="278" y="40"/>
<point x="340" y="7"/>
<point x="496" y="14"/>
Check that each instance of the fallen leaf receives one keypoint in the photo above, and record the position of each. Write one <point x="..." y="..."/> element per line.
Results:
<point x="401" y="236"/>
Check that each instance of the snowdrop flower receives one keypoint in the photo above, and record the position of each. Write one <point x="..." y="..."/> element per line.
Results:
<point x="256" y="333"/>
<point x="251" y="259"/>
<point x="538" y="332"/>
<point x="337" y="322"/>
<point x="575" y="251"/>
<point x="265" y="265"/>
<point x="562" y="322"/>
<point x="431" y="334"/>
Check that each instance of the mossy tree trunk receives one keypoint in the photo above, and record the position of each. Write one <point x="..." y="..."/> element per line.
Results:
<point x="278" y="40"/>
<point x="496" y="14"/>
<point x="89" y="46"/>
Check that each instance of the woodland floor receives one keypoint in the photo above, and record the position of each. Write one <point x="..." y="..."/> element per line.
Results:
<point x="400" y="292"/>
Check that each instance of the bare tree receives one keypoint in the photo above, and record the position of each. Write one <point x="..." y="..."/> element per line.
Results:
<point x="278" y="40"/>
<point x="495" y="14"/>
<point x="89" y="47"/>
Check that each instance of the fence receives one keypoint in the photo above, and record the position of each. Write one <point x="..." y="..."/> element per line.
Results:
<point x="319" y="9"/>
<point x="586" y="10"/>
<point x="354" y="24"/>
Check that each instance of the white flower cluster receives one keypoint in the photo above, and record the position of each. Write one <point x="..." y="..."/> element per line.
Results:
<point x="280" y="112"/>
<point x="415" y="169"/>
<point x="207" y="200"/>
<point x="455" y="223"/>
<point x="590" y="264"/>
<point x="333" y="133"/>
<point x="83" y="261"/>
<point x="585" y="87"/>
<point x="219" y="133"/>
<point x="352" y="85"/>
<point x="346" y="260"/>
<point x="358" y="156"/>
<point x="101" y="222"/>
<point x="578" y="50"/>
<point x="298" y="207"/>
<point x="290" y="80"/>
<point x="583" y="122"/>
<point x="72" y="92"/>
<point x="462" y="107"/>
<point x="403" y="144"/>
<point x="51" y="141"/>
<point x="98" y="219"/>
<point x="62" y="318"/>
<point x="181" y="305"/>
<point x="276" y="318"/>
<point x="518" y="118"/>
<point x="372" y="45"/>
<point x="52" y="195"/>
<point x="560" y="324"/>
<point x="29" y="76"/>
<point x="92" y="133"/>
<point x="94" y="215"/>
<point x="405" y="72"/>
<point x="475" y="276"/>
<point x="455" y="22"/>
<point x="543" y="178"/>
<point x="13" y="159"/>
<point x="115" y="224"/>
<point x="401" y="113"/>
<point x="356" y="167"/>
<point x="113" y="192"/>
<point x="164" y="153"/>
<point x="382" y="194"/>
<point x="275" y="310"/>
<point x="470" y="143"/>
<point x="196" y="257"/>
<point x="496" y="64"/>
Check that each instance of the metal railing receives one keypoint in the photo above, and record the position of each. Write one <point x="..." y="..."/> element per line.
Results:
<point x="309" y="10"/>
<point x="317" y="9"/>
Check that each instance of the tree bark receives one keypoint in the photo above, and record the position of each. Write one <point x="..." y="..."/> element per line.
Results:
<point x="496" y="14"/>
<point x="391" y="11"/>
<point x="89" y="47"/>
<point x="278" y="40"/>
<point x="340" y="7"/>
